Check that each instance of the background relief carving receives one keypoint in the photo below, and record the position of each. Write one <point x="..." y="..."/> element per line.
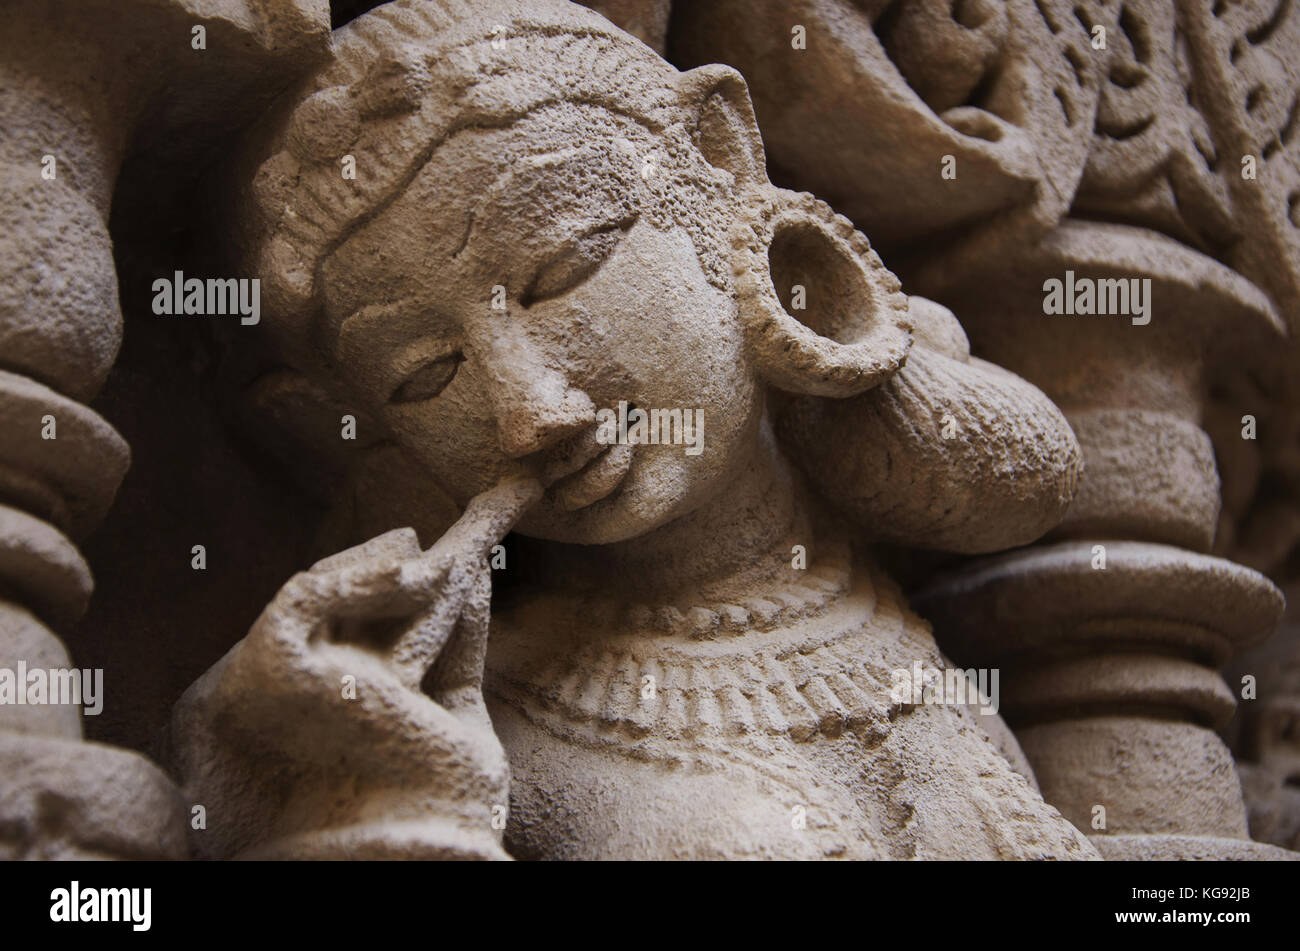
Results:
<point x="711" y="429"/>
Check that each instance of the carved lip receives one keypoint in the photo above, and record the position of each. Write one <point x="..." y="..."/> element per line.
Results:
<point x="572" y="455"/>
<point x="596" y="480"/>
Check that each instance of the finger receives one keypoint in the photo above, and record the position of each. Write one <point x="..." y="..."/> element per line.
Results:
<point x="463" y="549"/>
<point x="460" y="663"/>
<point x="398" y="544"/>
<point x="379" y="588"/>
<point x="424" y="640"/>
<point x="488" y="518"/>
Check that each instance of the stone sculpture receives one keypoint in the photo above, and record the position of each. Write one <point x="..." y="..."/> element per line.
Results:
<point x="636" y="475"/>
<point x="622" y="207"/>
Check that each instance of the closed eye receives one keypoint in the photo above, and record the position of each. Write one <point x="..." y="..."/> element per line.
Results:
<point x="427" y="381"/>
<point x="574" y="263"/>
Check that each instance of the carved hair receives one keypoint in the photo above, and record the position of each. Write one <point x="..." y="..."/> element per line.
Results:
<point x="407" y="76"/>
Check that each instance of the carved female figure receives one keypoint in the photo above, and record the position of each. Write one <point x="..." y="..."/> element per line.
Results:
<point x="547" y="219"/>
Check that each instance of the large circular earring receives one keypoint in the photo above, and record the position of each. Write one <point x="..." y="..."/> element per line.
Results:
<point x="822" y="314"/>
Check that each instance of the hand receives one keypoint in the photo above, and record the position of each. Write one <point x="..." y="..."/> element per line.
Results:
<point x="364" y="673"/>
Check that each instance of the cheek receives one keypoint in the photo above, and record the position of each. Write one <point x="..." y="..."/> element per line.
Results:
<point x="454" y="436"/>
<point x="676" y="343"/>
<point x="698" y="362"/>
<point x="657" y="331"/>
<point x="711" y="378"/>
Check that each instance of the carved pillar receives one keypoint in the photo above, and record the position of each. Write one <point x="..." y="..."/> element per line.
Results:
<point x="1111" y="681"/>
<point x="1109" y="633"/>
<point x="75" y="78"/>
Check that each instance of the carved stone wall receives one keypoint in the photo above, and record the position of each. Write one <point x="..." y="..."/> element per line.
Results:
<point x="522" y="428"/>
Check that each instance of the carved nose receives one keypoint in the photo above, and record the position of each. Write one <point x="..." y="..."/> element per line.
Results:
<point x="530" y="422"/>
<point x="534" y="404"/>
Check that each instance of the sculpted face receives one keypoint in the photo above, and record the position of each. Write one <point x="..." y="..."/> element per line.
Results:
<point x="526" y="278"/>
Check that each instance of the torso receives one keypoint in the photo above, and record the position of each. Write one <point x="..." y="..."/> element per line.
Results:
<point x="771" y="733"/>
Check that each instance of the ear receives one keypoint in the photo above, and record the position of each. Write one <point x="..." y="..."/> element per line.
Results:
<point x="822" y="314"/>
<point x="725" y="130"/>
